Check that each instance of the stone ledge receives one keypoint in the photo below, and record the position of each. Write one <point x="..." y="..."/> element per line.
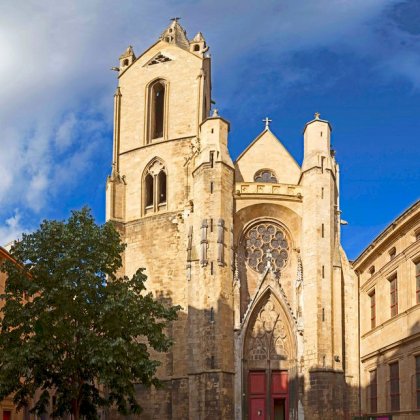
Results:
<point x="254" y="189"/>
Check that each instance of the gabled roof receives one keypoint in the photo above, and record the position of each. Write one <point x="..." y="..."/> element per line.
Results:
<point x="266" y="152"/>
<point x="175" y="35"/>
<point x="260" y="136"/>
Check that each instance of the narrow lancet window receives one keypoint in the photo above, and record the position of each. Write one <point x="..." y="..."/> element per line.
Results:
<point x="161" y="187"/>
<point x="149" y="190"/>
<point x="157" y="110"/>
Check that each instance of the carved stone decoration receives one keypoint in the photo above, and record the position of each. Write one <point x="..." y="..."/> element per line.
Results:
<point x="155" y="167"/>
<point x="266" y="242"/>
<point x="267" y="337"/>
<point x="220" y="242"/>
<point x="236" y="282"/>
<point x="299" y="295"/>
<point x="233" y="256"/>
<point x="160" y="58"/>
<point x="203" y="243"/>
<point x="236" y="294"/>
<point x="189" y="250"/>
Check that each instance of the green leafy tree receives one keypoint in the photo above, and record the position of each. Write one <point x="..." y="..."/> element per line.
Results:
<point x="71" y="328"/>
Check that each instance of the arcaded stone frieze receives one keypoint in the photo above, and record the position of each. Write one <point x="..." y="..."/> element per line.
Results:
<point x="247" y="189"/>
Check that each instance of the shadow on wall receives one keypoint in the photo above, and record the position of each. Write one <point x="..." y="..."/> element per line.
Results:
<point x="393" y="381"/>
<point x="195" y="381"/>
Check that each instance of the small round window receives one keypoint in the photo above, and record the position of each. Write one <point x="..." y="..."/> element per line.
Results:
<point x="266" y="242"/>
<point x="265" y="175"/>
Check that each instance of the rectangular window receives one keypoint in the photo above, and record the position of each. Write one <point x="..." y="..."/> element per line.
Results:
<point x="394" y="389"/>
<point x="211" y="158"/>
<point x="373" y="391"/>
<point x="322" y="230"/>
<point x="418" y="382"/>
<point x="372" y="309"/>
<point x="393" y="289"/>
<point x="418" y="282"/>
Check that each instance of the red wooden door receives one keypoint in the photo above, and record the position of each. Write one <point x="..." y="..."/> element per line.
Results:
<point x="279" y="395"/>
<point x="257" y="395"/>
<point x="257" y="409"/>
<point x="258" y="398"/>
<point x="7" y="415"/>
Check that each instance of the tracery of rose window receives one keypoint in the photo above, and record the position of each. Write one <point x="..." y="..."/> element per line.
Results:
<point x="265" y="175"/>
<point x="263" y="243"/>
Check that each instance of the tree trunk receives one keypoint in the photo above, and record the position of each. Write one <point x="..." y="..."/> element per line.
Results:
<point x="75" y="409"/>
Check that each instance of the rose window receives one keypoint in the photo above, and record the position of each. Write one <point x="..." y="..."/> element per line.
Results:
<point x="266" y="244"/>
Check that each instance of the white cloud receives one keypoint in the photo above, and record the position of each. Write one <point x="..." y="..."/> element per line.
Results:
<point x="12" y="229"/>
<point x="64" y="135"/>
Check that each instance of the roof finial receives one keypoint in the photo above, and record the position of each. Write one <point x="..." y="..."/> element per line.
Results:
<point x="317" y="115"/>
<point x="267" y="122"/>
<point x="175" y="19"/>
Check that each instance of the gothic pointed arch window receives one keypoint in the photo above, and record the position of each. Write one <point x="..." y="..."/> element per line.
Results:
<point x="157" y="98"/>
<point x="154" y="187"/>
<point x="265" y="175"/>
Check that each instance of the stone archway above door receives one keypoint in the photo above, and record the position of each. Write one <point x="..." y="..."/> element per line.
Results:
<point x="268" y="339"/>
<point x="269" y="357"/>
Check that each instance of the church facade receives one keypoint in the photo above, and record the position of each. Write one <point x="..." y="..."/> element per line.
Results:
<point x="250" y="249"/>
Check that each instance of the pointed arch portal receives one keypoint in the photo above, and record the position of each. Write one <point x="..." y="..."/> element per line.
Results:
<point x="268" y="354"/>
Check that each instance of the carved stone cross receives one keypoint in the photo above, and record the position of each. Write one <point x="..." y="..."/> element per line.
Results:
<point x="267" y="122"/>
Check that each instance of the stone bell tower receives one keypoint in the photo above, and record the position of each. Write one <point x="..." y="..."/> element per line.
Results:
<point x="170" y="195"/>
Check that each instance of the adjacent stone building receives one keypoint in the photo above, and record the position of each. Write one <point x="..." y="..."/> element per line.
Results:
<point x="7" y="408"/>
<point x="389" y="278"/>
<point x="250" y="249"/>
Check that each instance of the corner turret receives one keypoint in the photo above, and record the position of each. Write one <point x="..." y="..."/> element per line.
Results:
<point x="127" y="58"/>
<point x="213" y="140"/>
<point x="198" y="44"/>
<point x="317" y="142"/>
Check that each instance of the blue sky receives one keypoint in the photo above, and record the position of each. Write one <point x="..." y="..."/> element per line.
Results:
<point x="355" y="61"/>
